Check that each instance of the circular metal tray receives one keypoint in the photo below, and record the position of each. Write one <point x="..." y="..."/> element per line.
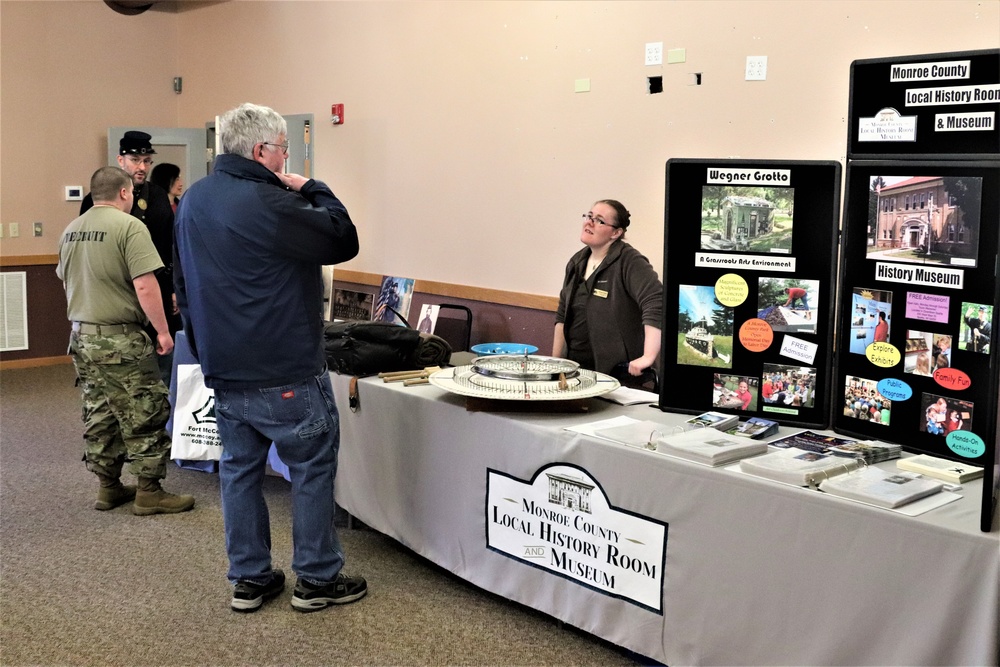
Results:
<point x="525" y="367"/>
<point x="468" y="381"/>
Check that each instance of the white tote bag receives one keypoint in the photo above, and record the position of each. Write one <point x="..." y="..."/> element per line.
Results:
<point x="195" y="437"/>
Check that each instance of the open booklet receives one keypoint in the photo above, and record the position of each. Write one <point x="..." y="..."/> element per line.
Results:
<point x="798" y="467"/>
<point x="881" y="488"/>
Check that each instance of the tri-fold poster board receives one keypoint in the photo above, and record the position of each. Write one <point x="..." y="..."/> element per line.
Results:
<point x="881" y="326"/>
<point x="750" y="251"/>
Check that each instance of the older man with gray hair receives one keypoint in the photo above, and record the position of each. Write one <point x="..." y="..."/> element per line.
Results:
<point x="251" y="241"/>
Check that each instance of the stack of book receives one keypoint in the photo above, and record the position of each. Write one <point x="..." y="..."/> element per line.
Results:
<point x="709" y="447"/>
<point x="938" y="468"/>
<point x="717" y="420"/>
<point x="881" y="488"/>
<point x="798" y="467"/>
<point x="868" y="451"/>
<point x="757" y="428"/>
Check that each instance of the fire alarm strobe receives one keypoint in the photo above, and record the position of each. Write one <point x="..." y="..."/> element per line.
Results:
<point x="337" y="114"/>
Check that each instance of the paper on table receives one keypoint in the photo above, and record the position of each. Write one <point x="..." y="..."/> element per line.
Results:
<point x="630" y="396"/>
<point x="590" y="427"/>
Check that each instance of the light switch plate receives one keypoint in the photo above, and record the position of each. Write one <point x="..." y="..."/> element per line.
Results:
<point x="756" y="68"/>
<point x="654" y="53"/>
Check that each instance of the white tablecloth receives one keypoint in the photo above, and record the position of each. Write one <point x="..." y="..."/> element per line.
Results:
<point x="755" y="572"/>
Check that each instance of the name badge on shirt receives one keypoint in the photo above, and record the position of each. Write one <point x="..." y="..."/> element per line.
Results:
<point x="601" y="293"/>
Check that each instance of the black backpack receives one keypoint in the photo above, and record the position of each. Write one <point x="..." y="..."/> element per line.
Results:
<point x="367" y="348"/>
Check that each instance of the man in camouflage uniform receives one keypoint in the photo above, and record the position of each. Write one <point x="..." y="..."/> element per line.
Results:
<point x="107" y="262"/>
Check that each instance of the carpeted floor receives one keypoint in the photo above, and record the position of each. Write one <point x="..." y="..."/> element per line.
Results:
<point x="82" y="587"/>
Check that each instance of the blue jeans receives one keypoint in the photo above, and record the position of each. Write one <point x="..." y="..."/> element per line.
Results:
<point x="302" y="421"/>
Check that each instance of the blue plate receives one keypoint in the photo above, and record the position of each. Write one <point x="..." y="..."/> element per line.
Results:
<point x="486" y="349"/>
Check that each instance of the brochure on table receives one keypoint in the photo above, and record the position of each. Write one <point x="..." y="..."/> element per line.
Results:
<point x="749" y="262"/>
<point x="917" y="361"/>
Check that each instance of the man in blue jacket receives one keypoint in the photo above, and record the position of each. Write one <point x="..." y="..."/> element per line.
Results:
<point x="251" y="241"/>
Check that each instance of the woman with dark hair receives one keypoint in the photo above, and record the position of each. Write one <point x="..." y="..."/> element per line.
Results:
<point x="610" y="306"/>
<point x="168" y="177"/>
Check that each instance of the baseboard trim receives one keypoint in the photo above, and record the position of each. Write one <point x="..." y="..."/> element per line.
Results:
<point x="34" y="363"/>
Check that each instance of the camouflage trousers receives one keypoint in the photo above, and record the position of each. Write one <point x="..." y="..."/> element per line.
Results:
<point x="125" y="406"/>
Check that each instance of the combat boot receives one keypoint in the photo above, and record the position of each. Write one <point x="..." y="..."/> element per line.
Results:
<point x="150" y="498"/>
<point x="112" y="493"/>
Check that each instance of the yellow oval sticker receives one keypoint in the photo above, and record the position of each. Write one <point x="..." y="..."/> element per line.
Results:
<point x="883" y="355"/>
<point x="731" y="290"/>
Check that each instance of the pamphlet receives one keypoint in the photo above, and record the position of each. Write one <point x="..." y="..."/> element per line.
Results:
<point x="717" y="420"/>
<point x="810" y="441"/>
<point x="757" y="428"/>
<point x="939" y="468"/>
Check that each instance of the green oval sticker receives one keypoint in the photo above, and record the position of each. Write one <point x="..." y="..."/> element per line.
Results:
<point x="966" y="443"/>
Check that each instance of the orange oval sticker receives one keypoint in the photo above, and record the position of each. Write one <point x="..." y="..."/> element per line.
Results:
<point x="756" y="335"/>
<point x="952" y="378"/>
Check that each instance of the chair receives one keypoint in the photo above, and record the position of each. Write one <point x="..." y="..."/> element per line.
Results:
<point x="454" y="324"/>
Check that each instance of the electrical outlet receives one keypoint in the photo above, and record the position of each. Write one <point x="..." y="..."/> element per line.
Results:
<point x="756" y="68"/>
<point x="654" y="53"/>
<point x="15" y="230"/>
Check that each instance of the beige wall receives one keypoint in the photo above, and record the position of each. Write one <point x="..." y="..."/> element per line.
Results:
<point x="466" y="156"/>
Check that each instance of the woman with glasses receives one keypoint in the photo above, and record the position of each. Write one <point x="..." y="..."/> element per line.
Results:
<point x="610" y="306"/>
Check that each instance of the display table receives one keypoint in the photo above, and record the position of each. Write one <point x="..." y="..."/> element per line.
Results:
<point x="754" y="572"/>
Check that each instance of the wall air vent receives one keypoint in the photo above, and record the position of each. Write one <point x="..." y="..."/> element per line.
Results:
<point x="13" y="311"/>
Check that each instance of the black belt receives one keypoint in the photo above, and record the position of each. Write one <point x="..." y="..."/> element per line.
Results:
<point x="106" y="329"/>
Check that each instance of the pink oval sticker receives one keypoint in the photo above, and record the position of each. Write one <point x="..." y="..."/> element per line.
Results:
<point x="952" y="378"/>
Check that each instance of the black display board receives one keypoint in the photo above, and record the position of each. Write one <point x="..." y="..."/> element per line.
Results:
<point x="939" y="106"/>
<point x="920" y="258"/>
<point x="750" y="249"/>
<point x="917" y="305"/>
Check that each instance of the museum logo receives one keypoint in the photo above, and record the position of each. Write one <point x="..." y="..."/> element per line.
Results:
<point x="561" y="521"/>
